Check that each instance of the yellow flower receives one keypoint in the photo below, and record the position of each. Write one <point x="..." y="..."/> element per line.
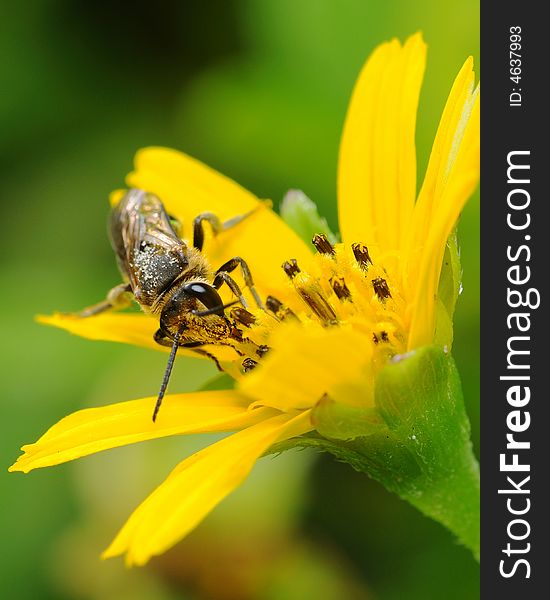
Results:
<point x="334" y="317"/>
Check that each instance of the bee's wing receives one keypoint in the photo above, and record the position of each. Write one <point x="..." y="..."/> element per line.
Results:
<point x="154" y="254"/>
<point x="165" y="239"/>
<point x="132" y="233"/>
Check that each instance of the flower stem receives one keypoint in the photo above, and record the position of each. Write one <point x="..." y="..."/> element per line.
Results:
<point x="452" y="500"/>
<point x="423" y="451"/>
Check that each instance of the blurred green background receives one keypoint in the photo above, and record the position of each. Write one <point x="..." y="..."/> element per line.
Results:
<point x="257" y="89"/>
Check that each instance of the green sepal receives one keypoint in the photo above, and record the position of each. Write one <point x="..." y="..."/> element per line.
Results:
<point x="343" y="422"/>
<point x="423" y="452"/>
<point x="448" y="292"/>
<point x="300" y="214"/>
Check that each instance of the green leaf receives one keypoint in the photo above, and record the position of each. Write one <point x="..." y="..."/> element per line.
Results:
<point x="300" y="213"/>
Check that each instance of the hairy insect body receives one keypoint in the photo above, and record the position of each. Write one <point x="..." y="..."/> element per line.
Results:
<point x="167" y="277"/>
<point x="149" y="254"/>
<point x="172" y="279"/>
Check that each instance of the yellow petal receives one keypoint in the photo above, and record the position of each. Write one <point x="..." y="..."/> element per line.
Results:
<point x="95" y="429"/>
<point x="188" y="187"/>
<point x="377" y="162"/>
<point x="197" y="485"/>
<point x="308" y="362"/>
<point x="462" y="173"/>
<point x="448" y="137"/>
<point x="137" y="329"/>
<point x="451" y="178"/>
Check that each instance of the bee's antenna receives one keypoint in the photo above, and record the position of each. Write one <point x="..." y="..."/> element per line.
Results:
<point x="167" y="373"/>
<point x="215" y="309"/>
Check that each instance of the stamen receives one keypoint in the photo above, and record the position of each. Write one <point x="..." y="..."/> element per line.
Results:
<point x="361" y="253"/>
<point x="243" y="316"/>
<point x="384" y="336"/>
<point x="278" y="309"/>
<point x="340" y="288"/>
<point x="262" y="350"/>
<point x="312" y="294"/>
<point x="322" y="244"/>
<point x="381" y="288"/>
<point x="249" y="364"/>
<point x="273" y="304"/>
<point x="375" y="338"/>
<point x="291" y="268"/>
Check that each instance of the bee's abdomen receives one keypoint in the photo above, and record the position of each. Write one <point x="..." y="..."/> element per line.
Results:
<point x="154" y="271"/>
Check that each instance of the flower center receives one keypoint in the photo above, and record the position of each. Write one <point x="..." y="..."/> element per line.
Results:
<point x="342" y="286"/>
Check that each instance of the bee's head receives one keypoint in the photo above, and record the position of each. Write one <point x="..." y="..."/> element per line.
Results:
<point x="197" y="298"/>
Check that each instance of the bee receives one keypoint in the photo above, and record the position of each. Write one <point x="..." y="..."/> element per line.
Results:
<point x="169" y="278"/>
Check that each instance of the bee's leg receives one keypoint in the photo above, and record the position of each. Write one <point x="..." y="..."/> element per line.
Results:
<point x="198" y="231"/>
<point x="161" y="338"/>
<point x="202" y="352"/>
<point x="224" y="277"/>
<point x="118" y="297"/>
<point x="217" y="225"/>
<point x="231" y="265"/>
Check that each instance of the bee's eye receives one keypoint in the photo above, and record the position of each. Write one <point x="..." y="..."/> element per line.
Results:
<point x="207" y="295"/>
<point x="175" y="309"/>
